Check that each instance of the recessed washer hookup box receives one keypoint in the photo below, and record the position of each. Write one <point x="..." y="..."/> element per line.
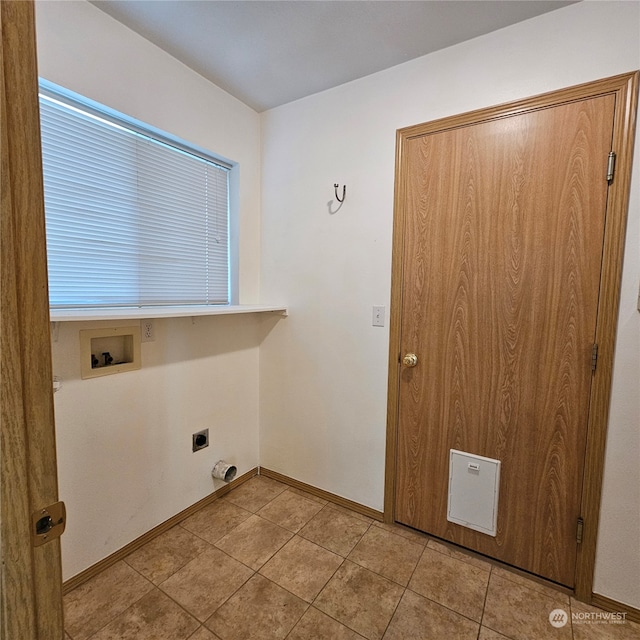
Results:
<point x="107" y="351"/>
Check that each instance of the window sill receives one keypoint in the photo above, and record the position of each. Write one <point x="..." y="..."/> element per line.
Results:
<point x="77" y="315"/>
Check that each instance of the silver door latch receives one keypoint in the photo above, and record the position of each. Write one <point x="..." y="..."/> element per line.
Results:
<point x="48" y="524"/>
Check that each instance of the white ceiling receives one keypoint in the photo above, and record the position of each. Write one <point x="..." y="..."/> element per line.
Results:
<point x="267" y="53"/>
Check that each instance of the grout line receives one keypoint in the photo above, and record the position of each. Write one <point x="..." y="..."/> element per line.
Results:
<point x="398" y="535"/>
<point x="440" y="604"/>
<point x="415" y="569"/>
<point x="228" y="598"/>
<point x="509" y="577"/>
<point x="213" y="546"/>
<point x="329" y="580"/>
<point x="395" y="609"/>
<point x="444" y="606"/>
<point x="202" y="623"/>
<point x="371" y="523"/>
<point x="121" y="613"/>
<point x="468" y="555"/>
<point x="158" y="586"/>
<point x="322" y="545"/>
<point x="179" y="605"/>
<point x="571" y="619"/>
<point x="342" y="562"/>
<point x="484" y="603"/>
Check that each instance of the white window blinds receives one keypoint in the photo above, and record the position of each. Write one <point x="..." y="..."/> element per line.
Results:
<point x="131" y="220"/>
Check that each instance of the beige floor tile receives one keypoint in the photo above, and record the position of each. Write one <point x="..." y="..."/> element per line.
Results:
<point x="459" y="555"/>
<point x="215" y="520"/>
<point x="388" y="554"/>
<point x="409" y="534"/>
<point x="290" y="511"/>
<point x="450" y="582"/>
<point x="260" y="610"/>
<point x="205" y="583"/>
<point x="167" y="553"/>
<point x="308" y="496"/>
<point x="335" y="530"/>
<point x="203" y="634"/>
<point x="254" y="541"/>
<point x="302" y="567"/>
<point x="355" y="514"/>
<point x="153" y="617"/>
<point x="98" y="601"/>
<point x="535" y="585"/>
<point x="255" y="493"/>
<point x="417" y="618"/>
<point x="360" y="599"/>
<point x="360" y="596"/>
<point x="316" y="625"/>
<point x="490" y="634"/>
<point x="592" y="623"/>
<point x="522" y="613"/>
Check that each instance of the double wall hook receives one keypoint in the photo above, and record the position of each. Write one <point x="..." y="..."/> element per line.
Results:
<point x="344" y="192"/>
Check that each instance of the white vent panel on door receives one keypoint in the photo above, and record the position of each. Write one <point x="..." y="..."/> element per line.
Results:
<point x="474" y="483"/>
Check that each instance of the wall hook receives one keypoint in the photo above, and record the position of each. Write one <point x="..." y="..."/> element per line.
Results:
<point x="344" y="192"/>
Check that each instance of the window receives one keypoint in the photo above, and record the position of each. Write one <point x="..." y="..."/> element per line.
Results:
<point x="134" y="218"/>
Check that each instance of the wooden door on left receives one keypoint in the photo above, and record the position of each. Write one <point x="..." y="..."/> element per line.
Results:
<point x="31" y="580"/>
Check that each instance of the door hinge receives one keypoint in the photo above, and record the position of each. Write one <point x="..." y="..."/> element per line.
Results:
<point x="48" y="523"/>
<point x="579" y="530"/>
<point x="594" y="357"/>
<point x="611" y="166"/>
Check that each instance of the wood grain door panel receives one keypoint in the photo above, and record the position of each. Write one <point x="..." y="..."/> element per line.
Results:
<point x="31" y="580"/>
<point x="501" y="268"/>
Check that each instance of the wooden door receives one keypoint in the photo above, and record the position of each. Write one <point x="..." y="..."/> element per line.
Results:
<point x="30" y="584"/>
<point x="502" y="245"/>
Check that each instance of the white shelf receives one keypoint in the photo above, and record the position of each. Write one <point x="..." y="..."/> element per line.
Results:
<point x="78" y="315"/>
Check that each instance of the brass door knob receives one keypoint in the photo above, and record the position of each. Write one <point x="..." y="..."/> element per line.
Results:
<point x="410" y="360"/>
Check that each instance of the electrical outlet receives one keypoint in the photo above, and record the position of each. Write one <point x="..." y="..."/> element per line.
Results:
<point x="200" y="440"/>
<point x="147" y="332"/>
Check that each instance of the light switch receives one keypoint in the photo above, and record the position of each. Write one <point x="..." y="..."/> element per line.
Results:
<point x="378" y="316"/>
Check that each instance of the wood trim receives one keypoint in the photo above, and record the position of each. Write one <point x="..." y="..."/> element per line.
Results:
<point x="321" y="493"/>
<point x="28" y="435"/>
<point x="122" y="553"/>
<point x="614" y="84"/>
<point x="625" y="89"/>
<point x="614" y="606"/>
<point x="17" y="604"/>
<point x="395" y="326"/>
<point x="608" y="306"/>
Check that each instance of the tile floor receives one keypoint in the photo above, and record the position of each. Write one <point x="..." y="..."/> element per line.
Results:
<point x="269" y="561"/>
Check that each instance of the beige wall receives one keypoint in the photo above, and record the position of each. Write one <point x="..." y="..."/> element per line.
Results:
<point x="323" y="373"/>
<point x="124" y="441"/>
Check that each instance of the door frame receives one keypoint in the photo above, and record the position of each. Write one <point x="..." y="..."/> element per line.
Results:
<point x="625" y="89"/>
<point x="31" y="576"/>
